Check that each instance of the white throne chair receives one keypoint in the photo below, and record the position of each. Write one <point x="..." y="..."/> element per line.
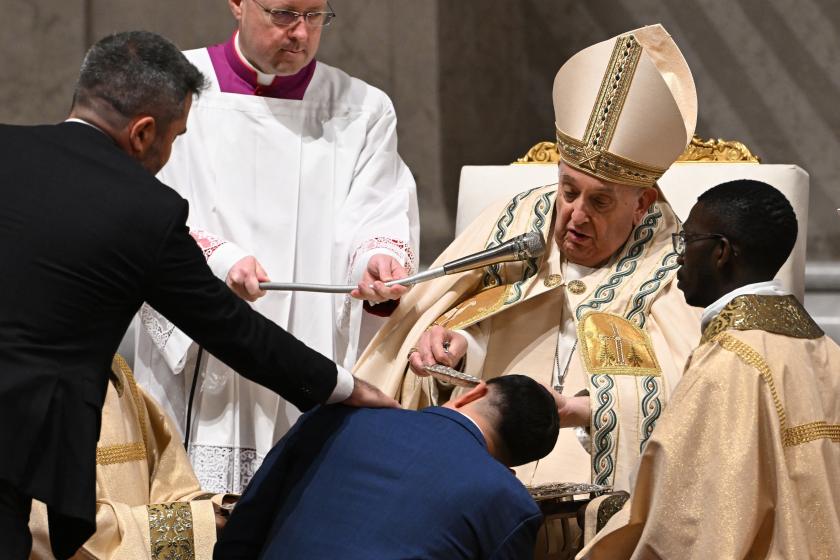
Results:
<point x="703" y="165"/>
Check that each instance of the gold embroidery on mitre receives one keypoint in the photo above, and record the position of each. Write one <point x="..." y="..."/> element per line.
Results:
<point x="612" y="345"/>
<point x="610" y="167"/>
<point x="576" y="287"/>
<point x="591" y="154"/>
<point x="613" y="93"/>
<point x="782" y="315"/>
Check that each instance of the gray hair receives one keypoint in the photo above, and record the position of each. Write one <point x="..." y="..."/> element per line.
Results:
<point x="138" y="73"/>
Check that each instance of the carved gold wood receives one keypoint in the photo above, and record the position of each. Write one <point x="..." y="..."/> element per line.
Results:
<point x="542" y="152"/>
<point x="717" y="150"/>
<point x="698" y="151"/>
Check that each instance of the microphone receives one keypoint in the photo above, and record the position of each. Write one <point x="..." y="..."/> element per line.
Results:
<point x="522" y="247"/>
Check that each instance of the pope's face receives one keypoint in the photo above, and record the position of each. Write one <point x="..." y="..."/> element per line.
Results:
<point x="595" y="217"/>
<point x="273" y="49"/>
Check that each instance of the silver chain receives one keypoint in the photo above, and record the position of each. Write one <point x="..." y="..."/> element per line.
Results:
<point x="560" y="378"/>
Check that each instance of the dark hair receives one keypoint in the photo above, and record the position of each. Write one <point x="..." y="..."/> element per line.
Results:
<point x="527" y="421"/>
<point x="138" y="73"/>
<point x="756" y="217"/>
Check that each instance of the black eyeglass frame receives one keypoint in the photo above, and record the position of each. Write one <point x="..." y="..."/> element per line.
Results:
<point x="682" y="239"/>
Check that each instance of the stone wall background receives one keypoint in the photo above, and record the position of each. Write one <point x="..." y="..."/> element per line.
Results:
<point x="471" y="80"/>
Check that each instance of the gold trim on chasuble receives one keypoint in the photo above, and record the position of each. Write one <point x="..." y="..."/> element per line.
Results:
<point x="612" y="345"/>
<point x="171" y="531"/>
<point x="499" y="293"/>
<point x="125" y="452"/>
<point x="590" y="155"/>
<point x="122" y="453"/>
<point x="782" y="315"/>
<point x="474" y="309"/>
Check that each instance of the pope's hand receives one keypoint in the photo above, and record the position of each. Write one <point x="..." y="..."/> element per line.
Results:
<point x="437" y="346"/>
<point x="366" y="395"/>
<point x="380" y="269"/>
<point x="574" y="411"/>
<point x="244" y="279"/>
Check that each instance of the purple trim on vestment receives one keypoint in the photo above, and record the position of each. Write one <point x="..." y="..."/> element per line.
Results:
<point x="234" y="76"/>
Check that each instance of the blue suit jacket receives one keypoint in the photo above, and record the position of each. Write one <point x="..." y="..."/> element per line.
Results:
<point x="382" y="484"/>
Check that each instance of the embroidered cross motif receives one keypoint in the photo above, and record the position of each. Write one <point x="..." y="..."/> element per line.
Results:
<point x="590" y="158"/>
<point x="607" y="356"/>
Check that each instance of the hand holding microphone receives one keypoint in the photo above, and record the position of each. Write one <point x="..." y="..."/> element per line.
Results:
<point x="520" y="248"/>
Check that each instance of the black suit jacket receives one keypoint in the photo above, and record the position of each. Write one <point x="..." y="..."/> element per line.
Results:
<point x="86" y="235"/>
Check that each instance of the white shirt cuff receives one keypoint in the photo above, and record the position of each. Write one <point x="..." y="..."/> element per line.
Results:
<point x="476" y="352"/>
<point x="344" y="384"/>
<point x="223" y="258"/>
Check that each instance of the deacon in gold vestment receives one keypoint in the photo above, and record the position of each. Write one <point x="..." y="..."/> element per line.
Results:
<point x="745" y="462"/>
<point x="599" y="312"/>
<point x="148" y="501"/>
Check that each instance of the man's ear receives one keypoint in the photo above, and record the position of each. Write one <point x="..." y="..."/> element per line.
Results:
<point x="724" y="254"/>
<point x="477" y="392"/>
<point x="647" y="197"/>
<point x="142" y="131"/>
<point x="235" y="8"/>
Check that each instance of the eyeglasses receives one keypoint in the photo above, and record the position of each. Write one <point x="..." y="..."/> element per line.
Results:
<point x="681" y="239"/>
<point x="285" y="18"/>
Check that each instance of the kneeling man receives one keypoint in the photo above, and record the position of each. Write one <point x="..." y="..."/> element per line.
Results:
<point x="434" y="484"/>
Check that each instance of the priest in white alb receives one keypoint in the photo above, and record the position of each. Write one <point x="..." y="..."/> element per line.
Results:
<point x="292" y="173"/>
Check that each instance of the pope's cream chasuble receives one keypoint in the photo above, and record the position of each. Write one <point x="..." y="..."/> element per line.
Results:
<point x="634" y="332"/>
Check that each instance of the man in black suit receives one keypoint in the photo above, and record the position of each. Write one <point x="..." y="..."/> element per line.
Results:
<point x="86" y="235"/>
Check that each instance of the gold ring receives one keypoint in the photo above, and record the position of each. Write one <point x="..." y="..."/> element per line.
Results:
<point x="410" y="352"/>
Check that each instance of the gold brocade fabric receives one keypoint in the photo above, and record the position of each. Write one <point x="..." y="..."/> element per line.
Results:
<point x="612" y="345"/>
<point x="782" y="315"/>
<point x="148" y="502"/>
<point x="171" y="531"/>
<point x="744" y="462"/>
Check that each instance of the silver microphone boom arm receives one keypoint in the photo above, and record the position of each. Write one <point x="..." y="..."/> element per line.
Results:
<point x="520" y="248"/>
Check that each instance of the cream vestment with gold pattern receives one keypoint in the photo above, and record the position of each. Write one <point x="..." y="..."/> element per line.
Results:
<point x="635" y="332"/>
<point x="745" y="462"/>
<point x="147" y="502"/>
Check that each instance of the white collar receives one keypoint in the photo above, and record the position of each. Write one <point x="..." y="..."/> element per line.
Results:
<point x="82" y="121"/>
<point x="262" y="78"/>
<point x="771" y="288"/>
<point x="575" y="271"/>
<point x="468" y="417"/>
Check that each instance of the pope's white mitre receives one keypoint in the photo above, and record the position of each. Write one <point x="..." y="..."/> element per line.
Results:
<point x="625" y="108"/>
